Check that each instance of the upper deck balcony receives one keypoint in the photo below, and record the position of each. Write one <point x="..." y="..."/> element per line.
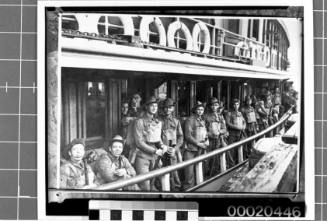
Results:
<point x="168" y="41"/>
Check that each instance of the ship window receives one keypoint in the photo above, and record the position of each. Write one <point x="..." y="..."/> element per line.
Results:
<point x="161" y="91"/>
<point x="233" y="25"/>
<point x="110" y="25"/>
<point x="154" y="33"/>
<point x="183" y="91"/>
<point x="69" y="22"/>
<point x="180" y="40"/>
<point x="200" y="40"/>
<point x="255" y="29"/>
<point x="95" y="109"/>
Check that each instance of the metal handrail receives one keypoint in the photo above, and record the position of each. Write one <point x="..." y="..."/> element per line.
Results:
<point x="169" y="169"/>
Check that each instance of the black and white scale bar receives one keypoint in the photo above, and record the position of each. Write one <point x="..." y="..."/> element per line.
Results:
<point x="142" y="210"/>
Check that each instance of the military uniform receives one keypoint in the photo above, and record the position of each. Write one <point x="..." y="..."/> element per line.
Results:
<point x="147" y="136"/>
<point x="74" y="175"/>
<point x="234" y="119"/>
<point x="263" y="115"/>
<point x="250" y="116"/>
<point x="216" y="127"/>
<point x="195" y="132"/>
<point x="172" y="135"/>
<point x="107" y="164"/>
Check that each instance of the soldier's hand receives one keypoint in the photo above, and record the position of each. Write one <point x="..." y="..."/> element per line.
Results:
<point x="202" y="145"/>
<point x="120" y="172"/>
<point x="89" y="186"/>
<point x="164" y="148"/>
<point x="159" y="152"/>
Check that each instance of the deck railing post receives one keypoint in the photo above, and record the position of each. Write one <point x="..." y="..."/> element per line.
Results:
<point x="240" y="154"/>
<point x="223" y="162"/>
<point x="199" y="173"/>
<point x="165" y="182"/>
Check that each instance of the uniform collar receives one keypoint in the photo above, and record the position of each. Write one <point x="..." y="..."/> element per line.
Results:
<point x="113" y="158"/>
<point x="78" y="164"/>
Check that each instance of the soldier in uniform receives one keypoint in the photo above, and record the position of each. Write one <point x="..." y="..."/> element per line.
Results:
<point x="134" y="112"/>
<point x="125" y="118"/>
<point x="147" y="136"/>
<point x="263" y="115"/>
<point x="75" y="173"/>
<point x="236" y="127"/>
<point x="114" y="166"/>
<point x="135" y="108"/>
<point x="196" y="141"/>
<point x="172" y="136"/>
<point x="249" y="114"/>
<point x="217" y="133"/>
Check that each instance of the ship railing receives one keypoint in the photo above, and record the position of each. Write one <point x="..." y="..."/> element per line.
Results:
<point x="164" y="173"/>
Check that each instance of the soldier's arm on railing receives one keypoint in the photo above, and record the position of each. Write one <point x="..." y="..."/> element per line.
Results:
<point x="104" y="168"/>
<point x="139" y="139"/>
<point x="129" y="168"/>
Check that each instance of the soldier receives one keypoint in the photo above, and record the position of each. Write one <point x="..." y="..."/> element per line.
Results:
<point x="236" y="127"/>
<point x="217" y="133"/>
<point x="114" y="166"/>
<point x="147" y="136"/>
<point x="251" y="123"/>
<point x="125" y="118"/>
<point x="196" y="141"/>
<point x="263" y="115"/>
<point x="134" y="112"/>
<point x="135" y="109"/>
<point x="76" y="173"/>
<point x="172" y="136"/>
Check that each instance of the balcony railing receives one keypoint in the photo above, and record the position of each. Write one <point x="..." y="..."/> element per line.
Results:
<point x="180" y="34"/>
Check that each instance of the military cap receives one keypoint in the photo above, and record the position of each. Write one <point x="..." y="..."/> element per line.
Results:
<point x="71" y="144"/>
<point x="235" y="100"/>
<point x="248" y="97"/>
<point x="118" y="138"/>
<point x="136" y="95"/>
<point x="214" y="100"/>
<point x="151" y="100"/>
<point x="199" y="104"/>
<point x="168" y="102"/>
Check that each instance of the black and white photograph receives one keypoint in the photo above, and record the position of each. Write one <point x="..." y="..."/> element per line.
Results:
<point x="174" y="103"/>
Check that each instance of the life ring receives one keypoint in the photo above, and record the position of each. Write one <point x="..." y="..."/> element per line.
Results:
<point x="254" y="51"/>
<point x="198" y="27"/>
<point x="128" y="24"/>
<point x="266" y="54"/>
<point x="144" y="29"/>
<point x="239" y="46"/>
<point x="173" y="27"/>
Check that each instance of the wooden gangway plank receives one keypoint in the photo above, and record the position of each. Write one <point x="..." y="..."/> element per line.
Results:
<point x="268" y="173"/>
